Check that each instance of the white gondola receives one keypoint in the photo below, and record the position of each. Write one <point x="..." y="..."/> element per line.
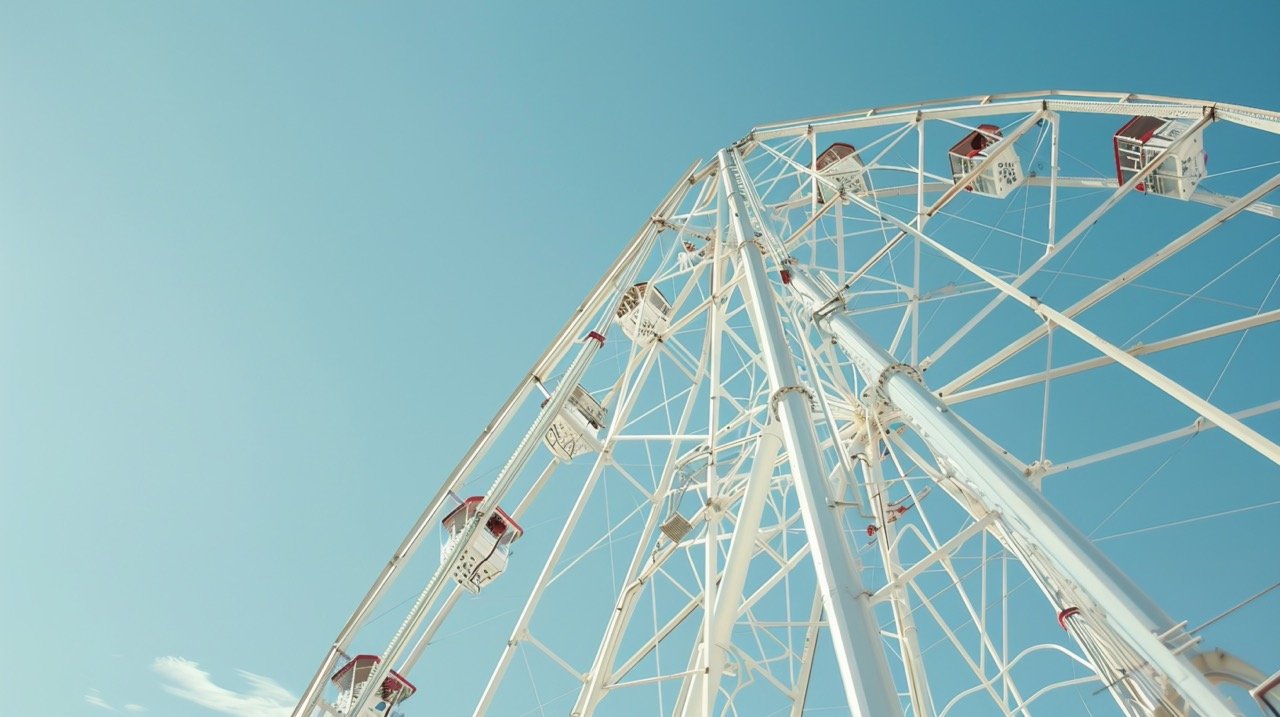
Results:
<point x="576" y="429"/>
<point x="351" y="681"/>
<point x="1142" y="138"/>
<point x="485" y="555"/>
<point x="841" y="164"/>
<point x="644" y="314"/>
<point x="1001" y="176"/>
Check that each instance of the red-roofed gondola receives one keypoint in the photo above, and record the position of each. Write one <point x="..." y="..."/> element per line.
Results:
<point x="485" y="554"/>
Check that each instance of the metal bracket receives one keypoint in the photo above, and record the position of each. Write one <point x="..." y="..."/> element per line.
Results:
<point x="833" y="305"/>
<point x="777" y="395"/>
<point x="902" y="368"/>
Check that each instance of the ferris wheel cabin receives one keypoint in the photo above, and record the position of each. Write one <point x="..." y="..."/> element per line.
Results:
<point x="841" y="164"/>
<point x="576" y="429"/>
<point x="1001" y="176"/>
<point x="644" y="314"/>
<point x="351" y="680"/>
<point x="1143" y="138"/>
<point x="484" y="556"/>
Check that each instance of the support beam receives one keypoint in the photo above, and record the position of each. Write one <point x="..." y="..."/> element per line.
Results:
<point x="897" y="594"/>
<point x="801" y="691"/>
<point x="705" y="685"/>
<point x="1197" y="426"/>
<point x="641" y="569"/>
<point x="1177" y="391"/>
<point x="1173" y="342"/>
<point x="864" y="669"/>
<point x="941" y="553"/>
<point x="1123" y="279"/>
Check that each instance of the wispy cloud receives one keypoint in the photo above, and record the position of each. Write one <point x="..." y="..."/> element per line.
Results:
<point x="95" y="698"/>
<point x="134" y="708"/>
<point x="264" y="698"/>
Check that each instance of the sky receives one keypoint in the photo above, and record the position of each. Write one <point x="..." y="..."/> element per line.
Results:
<point x="266" y="269"/>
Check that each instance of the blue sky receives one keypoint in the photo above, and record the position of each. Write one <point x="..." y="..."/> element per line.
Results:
<point x="256" y="257"/>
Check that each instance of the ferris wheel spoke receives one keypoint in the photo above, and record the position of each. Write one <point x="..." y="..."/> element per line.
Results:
<point x="1122" y="279"/>
<point x="1200" y="196"/>
<point x="1196" y="427"/>
<point x="1210" y="332"/>
<point x="1010" y="290"/>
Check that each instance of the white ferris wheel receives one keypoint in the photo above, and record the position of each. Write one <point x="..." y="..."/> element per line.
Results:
<point x="960" y="408"/>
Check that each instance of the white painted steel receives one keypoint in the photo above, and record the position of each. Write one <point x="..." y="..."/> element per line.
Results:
<point x="426" y="520"/>
<point x="492" y="499"/>
<point x="1125" y="277"/>
<point x="868" y="683"/>
<point x="1025" y="511"/>
<point x="520" y="631"/>
<point x="769" y="415"/>
<point x="705" y="684"/>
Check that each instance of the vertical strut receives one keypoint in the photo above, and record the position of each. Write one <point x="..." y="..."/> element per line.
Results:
<point x="912" y="655"/>
<point x="864" y="669"/>
<point x="723" y="612"/>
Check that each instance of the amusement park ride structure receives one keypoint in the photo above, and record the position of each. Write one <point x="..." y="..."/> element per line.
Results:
<point x="811" y="405"/>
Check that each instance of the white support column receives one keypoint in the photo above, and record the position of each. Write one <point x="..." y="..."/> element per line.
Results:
<point x="724" y="611"/>
<point x="705" y="693"/>
<point x="921" y="218"/>
<point x="810" y="648"/>
<point x="1117" y="602"/>
<point x="864" y="669"/>
<point x="898" y="597"/>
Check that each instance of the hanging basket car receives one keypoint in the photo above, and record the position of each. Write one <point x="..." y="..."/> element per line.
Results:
<point x="485" y="554"/>
<point x="1000" y="176"/>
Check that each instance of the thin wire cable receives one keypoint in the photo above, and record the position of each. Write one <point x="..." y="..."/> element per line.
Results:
<point x="1185" y="521"/>
<point x="1228" y="612"/>
<point x="1197" y="293"/>
<point x="1168" y="459"/>
<point x="1242" y="169"/>
<point x="1240" y="340"/>
<point x="533" y="685"/>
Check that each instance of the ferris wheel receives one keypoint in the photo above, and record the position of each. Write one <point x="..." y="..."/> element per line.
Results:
<point x="965" y="407"/>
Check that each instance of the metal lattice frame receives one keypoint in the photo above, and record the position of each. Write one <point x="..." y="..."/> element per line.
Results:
<point x="851" y="412"/>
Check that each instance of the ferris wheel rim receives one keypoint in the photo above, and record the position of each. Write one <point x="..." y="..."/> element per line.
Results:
<point x="1119" y="102"/>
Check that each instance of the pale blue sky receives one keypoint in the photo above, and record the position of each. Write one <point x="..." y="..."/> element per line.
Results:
<point x="255" y="256"/>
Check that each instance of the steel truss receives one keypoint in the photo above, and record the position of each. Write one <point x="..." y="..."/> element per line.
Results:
<point x="863" y="388"/>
